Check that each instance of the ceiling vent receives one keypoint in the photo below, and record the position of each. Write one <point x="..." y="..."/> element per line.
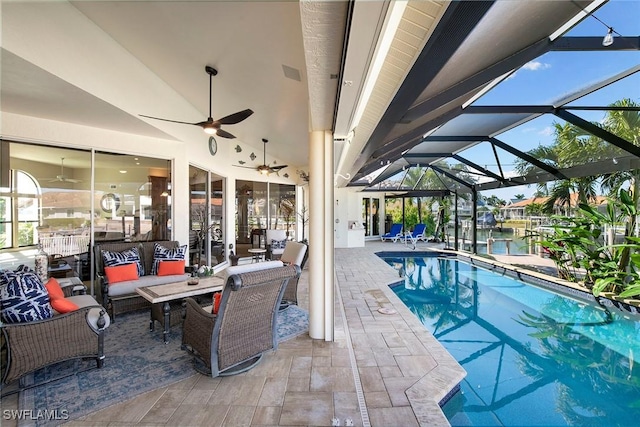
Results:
<point x="291" y="73"/>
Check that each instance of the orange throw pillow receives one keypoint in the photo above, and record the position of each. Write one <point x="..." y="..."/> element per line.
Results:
<point x="121" y="273"/>
<point x="63" y="305"/>
<point x="53" y="289"/>
<point x="169" y="268"/>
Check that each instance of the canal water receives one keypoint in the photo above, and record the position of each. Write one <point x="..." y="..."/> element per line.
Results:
<point x="517" y="246"/>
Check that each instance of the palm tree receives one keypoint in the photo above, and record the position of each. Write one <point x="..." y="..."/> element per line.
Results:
<point x="572" y="146"/>
<point x="625" y="124"/>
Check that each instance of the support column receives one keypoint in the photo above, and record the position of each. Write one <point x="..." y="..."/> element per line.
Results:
<point x="455" y="221"/>
<point x="474" y="221"/>
<point x="320" y="235"/>
<point x="328" y="238"/>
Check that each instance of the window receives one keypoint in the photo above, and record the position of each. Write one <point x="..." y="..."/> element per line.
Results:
<point x="261" y="206"/>
<point x="19" y="208"/>
<point x="47" y="198"/>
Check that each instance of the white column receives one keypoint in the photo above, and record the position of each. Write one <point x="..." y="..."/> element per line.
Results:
<point x="317" y="225"/>
<point x="328" y="236"/>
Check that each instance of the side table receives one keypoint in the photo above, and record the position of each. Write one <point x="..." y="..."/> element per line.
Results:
<point x="257" y="254"/>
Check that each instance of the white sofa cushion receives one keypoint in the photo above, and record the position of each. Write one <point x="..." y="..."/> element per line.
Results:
<point x="129" y="287"/>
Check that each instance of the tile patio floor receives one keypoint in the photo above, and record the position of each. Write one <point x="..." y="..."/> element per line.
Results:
<point x="381" y="370"/>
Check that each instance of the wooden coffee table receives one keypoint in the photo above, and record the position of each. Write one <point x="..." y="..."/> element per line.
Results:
<point x="161" y="295"/>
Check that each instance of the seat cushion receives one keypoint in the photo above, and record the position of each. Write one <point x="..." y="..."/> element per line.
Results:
<point x="94" y="314"/>
<point x="129" y="287"/>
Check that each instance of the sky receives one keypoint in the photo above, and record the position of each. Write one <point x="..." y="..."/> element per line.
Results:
<point x="557" y="74"/>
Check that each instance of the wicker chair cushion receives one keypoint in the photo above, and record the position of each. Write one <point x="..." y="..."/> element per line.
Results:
<point x="83" y="301"/>
<point x="161" y="253"/>
<point x="247" y="268"/>
<point x="128" y="256"/>
<point x="23" y="297"/>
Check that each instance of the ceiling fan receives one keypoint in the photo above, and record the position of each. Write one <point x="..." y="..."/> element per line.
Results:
<point x="264" y="168"/>
<point x="61" y="177"/>
<point x="210" y="126"/>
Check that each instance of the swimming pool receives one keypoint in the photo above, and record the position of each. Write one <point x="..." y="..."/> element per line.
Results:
<point x="532" y="356"/>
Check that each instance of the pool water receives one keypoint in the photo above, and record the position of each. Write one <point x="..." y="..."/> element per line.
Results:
<point x="533" y="357"/>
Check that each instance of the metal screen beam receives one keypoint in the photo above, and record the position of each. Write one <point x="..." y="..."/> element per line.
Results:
<point x="528" y="158"/>
<point x="598" y="131"/>
<point x="585" y="43"/>
<point x="477" y="167"/>
<point x="451" y="176"/>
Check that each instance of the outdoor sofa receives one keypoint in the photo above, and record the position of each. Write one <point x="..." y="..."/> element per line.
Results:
<point x="121" y="296"/>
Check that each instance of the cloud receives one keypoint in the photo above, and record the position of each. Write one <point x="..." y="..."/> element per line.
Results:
<point x="548" y="131"/>
<point x="535" y="66"/>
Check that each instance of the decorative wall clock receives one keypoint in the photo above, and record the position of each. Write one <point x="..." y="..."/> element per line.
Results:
<point x="109" y="202"/>
<point x="213" y="146"/>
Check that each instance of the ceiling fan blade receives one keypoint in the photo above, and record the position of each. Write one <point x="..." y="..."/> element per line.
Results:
<point x="224" y="134"/>
<point x="167" y="120"/>
<point x="277" y="168"/>
<point x="246" y="167"/>
<point x="234" y="118"/>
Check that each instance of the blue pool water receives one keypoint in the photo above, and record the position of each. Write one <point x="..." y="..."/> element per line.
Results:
<point x="533" y="357"/>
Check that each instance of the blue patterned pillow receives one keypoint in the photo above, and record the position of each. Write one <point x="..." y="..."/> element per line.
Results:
<point x="278" y="244"/>
<point x="160" y="253"/>
<point x="113" y="259"/>
<point x="23" y="297"/>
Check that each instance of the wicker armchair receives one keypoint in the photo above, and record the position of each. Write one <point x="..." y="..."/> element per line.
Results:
<point x="234" y="340"/>
<point x="34" y="345"/>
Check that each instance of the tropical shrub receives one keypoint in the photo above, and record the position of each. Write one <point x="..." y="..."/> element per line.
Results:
<point x="578" y="249"/>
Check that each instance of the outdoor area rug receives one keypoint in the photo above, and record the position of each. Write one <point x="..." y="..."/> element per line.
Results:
<point x="137" y="361"/>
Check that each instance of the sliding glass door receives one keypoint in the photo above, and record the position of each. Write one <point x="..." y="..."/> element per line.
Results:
<point x="206" y="203"/>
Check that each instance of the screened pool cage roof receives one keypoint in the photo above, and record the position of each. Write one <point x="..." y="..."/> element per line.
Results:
<point x="442" y="162"/>
<point x="441" y="144"/>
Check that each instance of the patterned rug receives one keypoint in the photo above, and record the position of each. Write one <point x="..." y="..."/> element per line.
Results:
<point x="130" y="369"/>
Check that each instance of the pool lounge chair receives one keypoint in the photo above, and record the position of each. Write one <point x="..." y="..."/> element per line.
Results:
<point x="417" y="234"/>
<point x="394" y="234"/>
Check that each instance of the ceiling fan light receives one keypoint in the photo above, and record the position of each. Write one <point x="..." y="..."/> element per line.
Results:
<point x="264" y="171"/>
<point x="209" y="129"/>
